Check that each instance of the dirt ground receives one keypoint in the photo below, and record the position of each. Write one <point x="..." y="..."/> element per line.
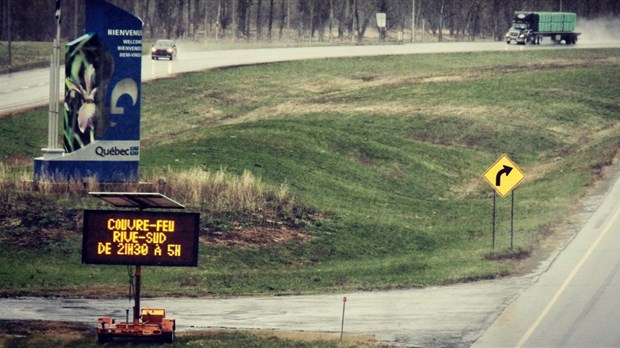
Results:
<point x="38" y="333"/>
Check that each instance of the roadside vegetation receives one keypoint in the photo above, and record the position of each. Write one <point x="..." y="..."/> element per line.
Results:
<point x="335" y="175"/>
<point x="43" y="334"/>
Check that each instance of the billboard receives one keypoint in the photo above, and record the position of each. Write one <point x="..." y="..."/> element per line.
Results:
<point x="103" y="70"/>
<point x="140" y="238"/>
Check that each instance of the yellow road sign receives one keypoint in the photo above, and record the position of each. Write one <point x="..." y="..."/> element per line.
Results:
<point x="504" y="175"/>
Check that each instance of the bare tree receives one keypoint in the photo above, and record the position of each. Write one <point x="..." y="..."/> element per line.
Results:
<point x="303" y="14"/>
<point x="270" y="20"/>
<point x="362" y="13"/>
<point x="463" y="19"/>
<point x="319" y="17"/>
<point x="179" y="23"/>
<point x="259" y="19"/>
<point x="225" y="15"/>
<point x="243" y="10"/>
<point x="399" y="12"/>
<point x="163" y="16"/>
<point x="283" y="17"/>
<point x="345" y="19"/>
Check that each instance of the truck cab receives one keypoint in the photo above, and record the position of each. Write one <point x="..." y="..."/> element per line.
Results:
<point x="518" y="34"/>
<point x="522" y="31"/>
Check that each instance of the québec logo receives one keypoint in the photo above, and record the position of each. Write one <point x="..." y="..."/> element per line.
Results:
<point x="115" y="151"/>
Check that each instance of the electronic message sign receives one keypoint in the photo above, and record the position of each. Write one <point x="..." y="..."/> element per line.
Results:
<point x="140" y="238"/>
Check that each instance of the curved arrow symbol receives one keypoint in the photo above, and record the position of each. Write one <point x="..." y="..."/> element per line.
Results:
<point x="498" y="177"/>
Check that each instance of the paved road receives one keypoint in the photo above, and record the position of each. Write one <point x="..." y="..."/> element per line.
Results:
<point x="575" y="303"/>
<point x="434" y="317"/>
<point x="27" y="89"/>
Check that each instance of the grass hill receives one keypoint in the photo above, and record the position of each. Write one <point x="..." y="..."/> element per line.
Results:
<point x="380" y="161"/>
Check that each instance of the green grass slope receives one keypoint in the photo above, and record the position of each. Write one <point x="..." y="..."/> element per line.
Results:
<point x="391" y="150"/>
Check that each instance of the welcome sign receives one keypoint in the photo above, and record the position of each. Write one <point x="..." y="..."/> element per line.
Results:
<point x="101" y="117"/>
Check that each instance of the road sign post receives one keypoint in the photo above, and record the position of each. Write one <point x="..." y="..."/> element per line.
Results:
<point x="504" y="176"/>
<point x="494" y="218"/>
<point x="512" y="214"/>
<point x="344" y="303"/>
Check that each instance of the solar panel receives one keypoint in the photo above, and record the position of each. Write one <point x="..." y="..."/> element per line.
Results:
<point x="142" y="200"/>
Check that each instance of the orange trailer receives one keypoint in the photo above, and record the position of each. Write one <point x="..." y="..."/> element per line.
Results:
<point x="151" y="324"/>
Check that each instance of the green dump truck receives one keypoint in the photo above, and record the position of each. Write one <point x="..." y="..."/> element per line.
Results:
<point x="532" y="27"/>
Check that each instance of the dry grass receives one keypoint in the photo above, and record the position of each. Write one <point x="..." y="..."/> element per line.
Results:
<point x="248" y="212"/>
<point x="245" y="212"/>
<point x="360" y="341"/>
<point x="375" y="108"/>
<point x="220" y="190"/>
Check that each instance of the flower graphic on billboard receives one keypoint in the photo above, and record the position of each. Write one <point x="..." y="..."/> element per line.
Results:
<point x="86" y="113"/>
<point x="87" y="68"/>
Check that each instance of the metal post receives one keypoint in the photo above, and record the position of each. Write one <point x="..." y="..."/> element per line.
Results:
<point x="512" y="215"/>
<point x="52" y="136"/>
<point x="494" y="199"/>
<point x="50" y="118"/>
<point x="136" y="307"/>
<point x="344" y="303"/>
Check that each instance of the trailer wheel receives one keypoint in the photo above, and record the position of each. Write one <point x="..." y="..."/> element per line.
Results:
<point x="573" y="39"/>
<point x="102" y="338"/>
<point x="168" y="337"/>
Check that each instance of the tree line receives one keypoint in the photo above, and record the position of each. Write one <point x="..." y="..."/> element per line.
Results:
<point x="300" y="20"/>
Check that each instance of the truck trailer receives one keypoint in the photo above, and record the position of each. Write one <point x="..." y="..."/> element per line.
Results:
<point x="531" y="27"/>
